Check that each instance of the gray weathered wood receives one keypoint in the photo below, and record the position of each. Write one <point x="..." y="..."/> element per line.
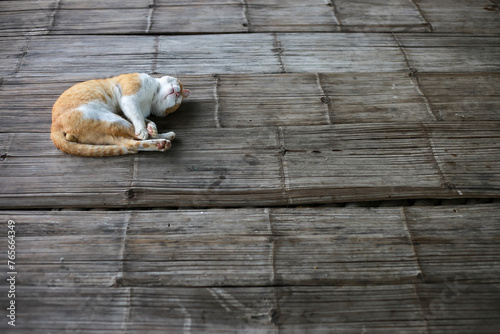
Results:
<point x="451" y="53"/>
<point x="263" y="100"/>
<point x="233" y="53"/>
<point x="457" y="243"/>
<point x="341" y="53"/>
<point x="291" y="16"/>
<point x="462" y="16"/>
<point x="25" y="17"/>
<point x="380" y="15"/>
<point x="463" y="97"/>
<point x="255" y="166"/>
<point x="375" y="97"/>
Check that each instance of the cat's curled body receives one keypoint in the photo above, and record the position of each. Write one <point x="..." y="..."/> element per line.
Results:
<point x="87" y="121"/>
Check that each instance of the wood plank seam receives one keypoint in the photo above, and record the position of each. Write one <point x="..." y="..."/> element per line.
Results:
<point x="5" y="155"/>
<point x="118" y="279"/>
<point x="272" y="241"/>
<point x="326" y="101"/>
<point x="421" y="308"/>
<point x="217" y="99"/>
<point x="278" y="49"/>
<point x="150" y="21"/>
<point x="154" y="62"/>
<point x="420" y="275"/>
<point x="283" y="169"/>
<point x="421" y="12"/>
<point x="52" y="19"/>
<point x="335" y="12"/>
<point x="415" y="81"/>
<point x="446" y="183"/>
<point x="246" y="22"/>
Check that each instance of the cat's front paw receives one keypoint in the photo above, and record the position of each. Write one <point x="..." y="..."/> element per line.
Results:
<point x="152" y="130"/>
<point x="142" y="134"/>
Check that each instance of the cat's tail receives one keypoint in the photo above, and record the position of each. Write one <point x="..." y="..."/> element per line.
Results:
<point x="60" y="140"/>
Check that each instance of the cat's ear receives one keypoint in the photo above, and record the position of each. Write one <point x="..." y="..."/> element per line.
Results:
<point x="186" y="92"/>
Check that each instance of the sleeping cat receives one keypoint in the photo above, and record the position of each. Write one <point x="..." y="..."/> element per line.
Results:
<point x="86" y="118"/>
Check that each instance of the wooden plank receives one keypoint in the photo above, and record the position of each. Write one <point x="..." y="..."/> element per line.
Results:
<point x="462" y="16"/>
<point x="26" y="17"/>
<point x="212" y="167"/>
<point x="88" y="57"/>
<point x="291" y="16"/>
<point x="102" y="21"/>
<point x="262" y="166"/>
<point x="340" y="53"/>
<point x="69" y="310"/>
<point x="26" y="103"/>
<point x="375" y="308"/>
<point x="210" y="54"/>
<point x="451" y="53"/>
<point x="463" y="97"/>
<point x="339" y="246"/>
<point x="455" y="307"/>
<point x="380" y="16"/>
<point x="264" y="100"/>
<point x="469" y="156"/>
<point x="12" y="50"/>
<point x="355" y="161"/>
<point x="348" y="309"/>
<point x="458" y="243"/>
<point x="374" y="97"/>
<point x="223" y="166"/>
<point x="189" y="248"/>
<point x="71" y="248"/>
<point x="209" y="17"/>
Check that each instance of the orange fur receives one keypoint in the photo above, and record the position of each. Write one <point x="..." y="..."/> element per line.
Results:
<point x="86" y="121"/>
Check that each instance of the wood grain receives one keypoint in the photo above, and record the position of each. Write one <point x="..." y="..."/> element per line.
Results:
<point x="461" y="16"/>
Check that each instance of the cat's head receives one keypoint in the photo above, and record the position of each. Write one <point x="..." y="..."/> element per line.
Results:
<point x="169" y="95"/>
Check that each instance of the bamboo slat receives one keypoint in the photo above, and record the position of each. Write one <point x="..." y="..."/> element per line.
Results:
<point x="457" y="243"/>
<point x="233" y="53"/>
<point x="227" y="167"/>
<point x="451" y="53"/>
<point x="340" y="53"/>
<point x="463" y="97"/>
<point x="378" y="309"/>
<point x="380" y="15"/>
<point x="291" y="16"/>
<point x="257" y="247"/>
<point x="375" y="97"/>
<point x="25" y="17"/>
<point x="462" y="16"/>
<point x="264" y="100"/>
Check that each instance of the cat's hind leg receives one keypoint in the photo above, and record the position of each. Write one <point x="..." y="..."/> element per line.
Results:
<point x="132" y="145"/>
<point x="168" y="136"/>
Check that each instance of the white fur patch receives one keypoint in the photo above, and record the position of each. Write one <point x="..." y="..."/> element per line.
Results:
<point x="99" y="111"/>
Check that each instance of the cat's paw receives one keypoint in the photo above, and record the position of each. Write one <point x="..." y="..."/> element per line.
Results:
<point x="169" y="135"/>
<point x="152" y="129"/>
<point x="142" y="134"/>
<point x="163" y="144"/>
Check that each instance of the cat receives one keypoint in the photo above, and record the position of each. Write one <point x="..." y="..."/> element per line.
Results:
<point x="86" y="118"/>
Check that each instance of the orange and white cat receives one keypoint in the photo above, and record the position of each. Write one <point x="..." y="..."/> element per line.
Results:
<point x="86" y="118"/>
